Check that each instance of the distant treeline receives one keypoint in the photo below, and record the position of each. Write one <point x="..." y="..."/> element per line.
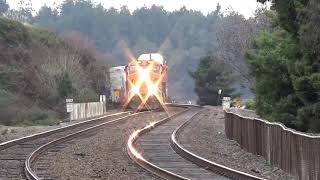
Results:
<point x="183" y="36"/>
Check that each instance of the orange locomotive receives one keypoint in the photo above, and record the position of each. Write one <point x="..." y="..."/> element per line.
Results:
<point x="146" y="82"/>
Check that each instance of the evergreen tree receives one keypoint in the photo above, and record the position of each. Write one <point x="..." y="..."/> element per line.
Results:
<point x="286" y="66"/>
<point x="211" y="76"/>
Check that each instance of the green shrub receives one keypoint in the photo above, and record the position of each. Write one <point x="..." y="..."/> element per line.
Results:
<point x="250" y="104"/>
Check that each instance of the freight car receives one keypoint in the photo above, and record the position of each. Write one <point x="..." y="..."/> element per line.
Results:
<point x="117" y="84"/>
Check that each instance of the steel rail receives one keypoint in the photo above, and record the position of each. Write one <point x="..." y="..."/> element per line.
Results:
<point x="14" y="142"/>
<point x="136" y="157"/>
<point x="31" y="174"/>
<point x="14" y="152"/>
<point x="15" y="148"/>
<point x="183" y="105"/>
<point x="205" y="163"/>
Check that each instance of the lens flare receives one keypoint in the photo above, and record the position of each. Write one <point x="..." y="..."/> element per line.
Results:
<point x="135" y="90"/>
<point x="132" y="137"/>
<point x="152" y="89"/>
<point x="144" y="77"/>
<point x="144" y="82"/>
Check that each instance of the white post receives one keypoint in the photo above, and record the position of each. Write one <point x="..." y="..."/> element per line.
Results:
<point x="69" y="105"/>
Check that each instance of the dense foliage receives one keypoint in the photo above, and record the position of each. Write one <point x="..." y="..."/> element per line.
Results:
<point x="38" y="70"/>
<point x="211" y="76"/>
<point x="250" y="104"/>
<point x="286" y="65"/>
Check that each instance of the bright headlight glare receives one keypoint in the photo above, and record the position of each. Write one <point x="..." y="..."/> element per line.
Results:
<point x="143" y="74"/>
<point x="135" y="90"/>
<point x="153" y="89"/>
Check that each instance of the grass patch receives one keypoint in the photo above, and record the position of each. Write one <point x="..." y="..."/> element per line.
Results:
<point x="34" y="119"/>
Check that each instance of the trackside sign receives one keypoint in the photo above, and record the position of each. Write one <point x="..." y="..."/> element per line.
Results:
<point x="69" y="103"/>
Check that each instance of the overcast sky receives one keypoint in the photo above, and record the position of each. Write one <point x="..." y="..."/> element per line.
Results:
<point x="245" y="7"/>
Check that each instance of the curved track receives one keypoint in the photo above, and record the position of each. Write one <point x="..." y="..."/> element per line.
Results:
<point x="202" y="162"/>
<point x="13" y="154"/>
<point x="157" y="149"/>
<point x="150" y="148"/>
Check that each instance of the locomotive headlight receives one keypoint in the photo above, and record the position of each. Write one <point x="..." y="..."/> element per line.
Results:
<point x="135" y="90"/>
<point x="153" y="89"/>
<point x="144" y="74"/>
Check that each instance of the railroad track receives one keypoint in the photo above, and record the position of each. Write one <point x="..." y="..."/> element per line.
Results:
<point x="150" y="148"/>
<point x="202" y="162"/>
<point x="27" y="157"/>
<point x="157" y="149"/>
<point x="16" y="156"/>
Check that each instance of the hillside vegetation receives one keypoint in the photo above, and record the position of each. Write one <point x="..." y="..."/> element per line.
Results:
<point x="38" y="70"/>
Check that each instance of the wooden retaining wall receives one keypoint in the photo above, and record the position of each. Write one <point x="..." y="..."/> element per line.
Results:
<point x="87" y="110"/>
<point x="295" y="152"/>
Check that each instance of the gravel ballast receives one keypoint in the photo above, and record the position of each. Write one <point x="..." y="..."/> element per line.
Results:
<point x="102" y="155"/>
<point x="205" y="137"/>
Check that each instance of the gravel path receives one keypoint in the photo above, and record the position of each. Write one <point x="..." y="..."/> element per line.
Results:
<point x="102" y="156"/>
<point x="13" y="132"/>
<point x="209" y="141"/>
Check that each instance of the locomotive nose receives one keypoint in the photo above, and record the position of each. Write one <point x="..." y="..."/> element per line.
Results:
<point x="144" y="89"/>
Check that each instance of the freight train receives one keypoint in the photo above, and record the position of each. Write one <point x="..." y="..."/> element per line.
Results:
<point x="117" y="77"/>
<point x="144" y="83"/>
